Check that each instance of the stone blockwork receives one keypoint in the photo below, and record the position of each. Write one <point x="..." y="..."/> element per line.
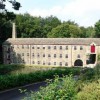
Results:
<point x="51" y="51"/>
<point x="49" y="54"/>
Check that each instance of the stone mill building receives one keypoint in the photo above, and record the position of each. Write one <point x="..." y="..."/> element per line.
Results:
<point x="51" y="51"/>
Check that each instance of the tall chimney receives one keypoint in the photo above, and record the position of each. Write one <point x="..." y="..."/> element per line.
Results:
<point x="14" y="35"/>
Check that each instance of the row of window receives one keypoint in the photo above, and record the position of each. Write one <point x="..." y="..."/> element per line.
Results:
<point x="49" y="63"/>
<point x="49" y="47"/>
<point x="49" y="55"/>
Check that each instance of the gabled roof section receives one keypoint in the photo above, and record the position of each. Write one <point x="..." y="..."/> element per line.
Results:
<point x="52" y="41"/>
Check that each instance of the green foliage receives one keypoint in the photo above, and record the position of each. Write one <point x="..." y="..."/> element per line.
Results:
<point x="87" y="74"/>
<point x="98" y="58"/>
<point x="97" y="29"/>
<point x="97" y="71"/>
<point x="29" y="26"/>
<point x="6" y="69"/>
<point x="89" y="91"/>
<point x="90" y="32"/>
<point x="65" y="30"/>
<point x="10" y="81"/>
<point x="66" y="88"/>
<point x="58" y="89"/>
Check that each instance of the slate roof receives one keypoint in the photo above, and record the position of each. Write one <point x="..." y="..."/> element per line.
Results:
<point x="53" y="41"/>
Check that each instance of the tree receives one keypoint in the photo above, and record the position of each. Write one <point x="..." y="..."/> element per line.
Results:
<point x="97" y="29"/>
<point x="16" y="5"/>
<point x="5" y="21"/>
<point x="90" y="32"/>
<point x="29" y="26"/>
<point x="65" y="30"/>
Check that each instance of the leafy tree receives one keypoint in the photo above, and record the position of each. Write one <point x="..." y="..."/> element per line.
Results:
<point x="29" y="26"/>
<point x="16" y="5"/>
<point x="65" y="30"/>
<point x="90" y="32"/>
<point x="97" y="29"/>
<point x="5" y="21"/>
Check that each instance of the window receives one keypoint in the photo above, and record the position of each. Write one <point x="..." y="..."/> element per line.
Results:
<point x="60" y="47"/>
<point x="75" y="48"/>
<point x="66" y="47"/>
<point x="60" y="55"/>
<point x="38" y="47"/>
<point x="92" y="48"/>
<point x="33" y="47"/>
<point x="81" y="48"/>
<point x="60" y="64"/>
<point x="66" y="56"/>
<point x="38" y="55"/>
<point x="55" y="47"/>
<point x="27" y="54"/>
<point x="23" y="61"/>
<point x="22" y="54"/>
<point x="43" y="63"/>
<point x="33" y="54"/>
<point x="54" y="55"/>
<point x="43" y="55"/>
<point x="49" y="47"/>
<point x="66" y="64"/>
<point x="43" y="47"/>
<point x="38" y="62"/>
<point x="54" y="63"/>
<point x="49" y="63"/>
<point x="33" y="62"/>
<point x="78" y="56"/>
<point x="22" y="46"/>
<point x="17" y="46"/>
<point x="49" y="55"/>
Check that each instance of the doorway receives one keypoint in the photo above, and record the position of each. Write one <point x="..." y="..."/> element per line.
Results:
<point x="78" y="62"/>
<point x="92" y="59"/>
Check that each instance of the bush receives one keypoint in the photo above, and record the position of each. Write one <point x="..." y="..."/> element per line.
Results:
<point x="87" y="74"/>
<point x="97" y="71"/>
<point x="10" y="81"/>
<point x="6" y="69"/>
<point x="58" y="89"/>
<point x="90" y="91"/>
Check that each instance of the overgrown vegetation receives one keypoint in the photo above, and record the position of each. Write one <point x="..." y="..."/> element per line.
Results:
<point x="67" y="88"/>
<point x="60" y="89"/>
<point x="7" y="69"/>
<point x="14" y="80"/>
<point x="89" y="91"/>
<point x="60" y="86"/>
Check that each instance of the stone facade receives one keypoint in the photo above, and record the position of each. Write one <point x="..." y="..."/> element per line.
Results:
<point x="51" y="51"/>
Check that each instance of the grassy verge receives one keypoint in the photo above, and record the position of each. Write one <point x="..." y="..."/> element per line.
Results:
<point x="7" y="69"/>
<point x="10" y="81"/>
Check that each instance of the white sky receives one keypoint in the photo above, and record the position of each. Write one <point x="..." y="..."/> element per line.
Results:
<point x="84" y="12"/>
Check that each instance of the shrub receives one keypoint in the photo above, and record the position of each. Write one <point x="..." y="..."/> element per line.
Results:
<point x="10" y="81"/>
<point x="87" y="74"/>
<point x="90" y="91"/>
<point x="6" y="69"/>
<point x="97" y="71"/>
<point x="58" y="89"/>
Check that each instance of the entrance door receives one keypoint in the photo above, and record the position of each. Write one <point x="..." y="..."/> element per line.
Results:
<point x="78" y="62"/>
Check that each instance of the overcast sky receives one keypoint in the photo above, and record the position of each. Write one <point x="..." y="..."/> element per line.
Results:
<point x="84" y="12"/>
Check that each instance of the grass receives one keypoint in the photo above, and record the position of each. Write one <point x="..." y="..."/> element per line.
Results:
<point x="20" y="79"/>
